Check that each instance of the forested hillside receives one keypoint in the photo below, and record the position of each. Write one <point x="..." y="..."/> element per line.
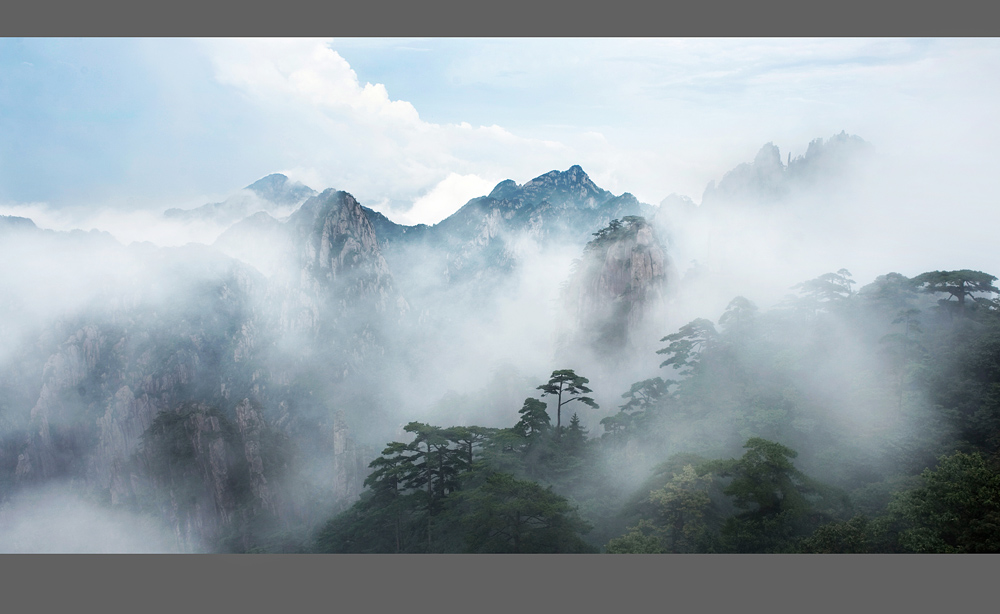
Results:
<point x="844" y="420"/>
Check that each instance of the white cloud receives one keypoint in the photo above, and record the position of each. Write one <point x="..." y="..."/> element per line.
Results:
<point x="338" y="132"/>
<point x="54" y="520"/>
<point x="445" y="198"/>
<point x="125" y="226"/>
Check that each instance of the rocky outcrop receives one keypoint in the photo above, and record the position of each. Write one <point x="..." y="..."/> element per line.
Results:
<point x="250" y="424"/>
<point x="618" y="282"/>
<point x="189" y="466"/>
<point x="339" y="248"/>
<point x="55" y="410"/>
<point x="341" y="271"/>
<point x="121" y="429"/>
<point x="350" y="463"/>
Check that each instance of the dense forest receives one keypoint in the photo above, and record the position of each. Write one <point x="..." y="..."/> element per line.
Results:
<point x="842" y="420"/>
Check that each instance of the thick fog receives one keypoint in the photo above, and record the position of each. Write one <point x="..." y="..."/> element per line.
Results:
<point x="58" y="519"/>
<point x="232" y="324"/>
<point x="505" y="333"/>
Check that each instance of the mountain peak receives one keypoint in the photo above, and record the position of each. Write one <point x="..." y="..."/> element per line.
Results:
<point x="767" y="179"/>
<point x="272" y="180"/>
<point x="573" y="174"/>
<point x="13" y="221"/>
<point x="543" y="186"/>
<point x="273" y="192"/>
<point x="280" y="190"/>
<point x="768" y="156"/>
<point x="504" y="190"/>
<point x="571" y="184"/>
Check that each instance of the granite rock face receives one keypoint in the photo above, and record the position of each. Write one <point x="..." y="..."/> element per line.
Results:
<point x="339" y="252"/>
<point x="251" y="425"/>
<point x="53" y="414"/>
<point x="350" y="461"/>
<point x="619" y="281"/>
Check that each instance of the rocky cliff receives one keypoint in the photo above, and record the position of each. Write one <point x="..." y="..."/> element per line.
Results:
<point x="617" y="284"/>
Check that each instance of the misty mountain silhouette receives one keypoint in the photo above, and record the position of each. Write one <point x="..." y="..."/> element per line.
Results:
<point x="271" y="193"/>
<point x="767" y="179"/>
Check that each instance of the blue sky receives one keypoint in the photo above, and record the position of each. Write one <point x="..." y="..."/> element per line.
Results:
<point x="415" y="127"/>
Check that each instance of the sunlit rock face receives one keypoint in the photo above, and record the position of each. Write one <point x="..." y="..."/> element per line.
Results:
<point x="618" y="283"/>
<point x="339" y="252"/>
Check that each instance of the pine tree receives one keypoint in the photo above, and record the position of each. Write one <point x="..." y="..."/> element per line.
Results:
<point x="566" y="382"/>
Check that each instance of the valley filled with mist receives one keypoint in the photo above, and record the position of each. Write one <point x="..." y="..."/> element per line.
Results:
<point x="551" y="368"/>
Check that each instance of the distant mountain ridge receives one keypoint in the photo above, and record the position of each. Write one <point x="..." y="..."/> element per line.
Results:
<point x="273" y="193"/>
<point x="767" y="179"/>
<point x="554" y="195"/>
<point x="480" y="235"/>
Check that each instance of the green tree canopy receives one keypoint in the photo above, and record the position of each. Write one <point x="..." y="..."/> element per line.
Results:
<point x="566" y="382"/>
<point x="687" y="345"/>
<point x="959" y="284"/>
<point x="956" y="510"/>
<point x="508" y="515"/>
<point x="829" y="288"/>
<point x="765" y="481"/>
<point x="739" y="315"/>
<point x="534" y="420"/>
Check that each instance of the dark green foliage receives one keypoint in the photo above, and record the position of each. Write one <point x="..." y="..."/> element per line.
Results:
<point x="505" y="514"/>
<point x="460" y="488"/>
<point x="566" y="382"/>
<point x="827" y="288"/>
<point x="614" y="231"/>
<point x="765" y="481"/>
<point x="636" y="541"/>
<point x="468" y="439"/>
<point x="739" y="316"/>
<point x="888" y="294"/>
<point x="854" y="536"/>
<point x="576" y="437"/>
<point x="957" y="509"/>
<point x="959" y="285"/>
<point x="870" y="386"/>
<point x="370" y="527"/>
<point x="688" y="344"/>
<point x="641" y="413"/>
<point x="778" y="500"/>
<point x="534" y="421"/>
<point x="486" y="511"/>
